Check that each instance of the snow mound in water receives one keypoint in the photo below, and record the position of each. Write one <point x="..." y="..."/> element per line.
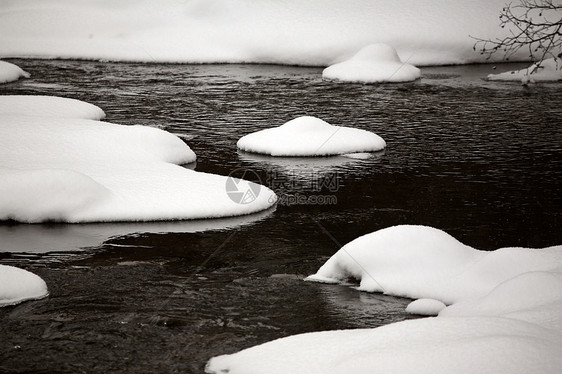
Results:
<point x="10" y="72"/>
<point x="17" y="285"/>
<point x="424" y="262"/>
<point x="549" y="70"/>
<point x="425" y="307"/>
<point x="49" y="106"/>
<point x="310" y="136"/>
<point x="375" y="63"/>
<point x="58" y="168"/>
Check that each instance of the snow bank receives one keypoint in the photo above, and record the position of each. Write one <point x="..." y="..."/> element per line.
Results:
<point x="374" y="63"/>
<point x="17" y="285"/>
<point x="80" y="170"/>
<point x="310" y="136"/>
<point x="294" y="32"/>
<point x="506" y="318"/>
<point x="10" y="72"/>
<point x="426" y="346"/>
<point x="550" y="70"/>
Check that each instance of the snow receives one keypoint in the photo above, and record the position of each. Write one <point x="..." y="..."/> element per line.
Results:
<point x="293" y="32"/>
<point x="10" y="72"/>
<point x="374" y="63"/>
<point x="425" y="346"/>
<point x="56" y="168"/>
<point x="505" y="316"/>
<point x="533" y="297"/>
<point x="425" y="307"/>
<point x="49" y="106"/>
<point x="17" y="285"/>
<point x="424" y="262"/>
<point x="310" y="136"/>
<point x="550" y="70"/>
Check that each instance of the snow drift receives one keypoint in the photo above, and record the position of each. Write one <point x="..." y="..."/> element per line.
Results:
<point x="294" y="32"/>
<point x="374" y="63"/>
<point x="310" y="136"/>
<point x="506" y="317"/>
<point x="54" y="167"/>
<point x="17" y="285"/>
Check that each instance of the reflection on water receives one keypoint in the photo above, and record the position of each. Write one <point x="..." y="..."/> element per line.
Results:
<point x="480" y="160"/>
<point x="43" y="238"/>
<point x="311" y="166"/>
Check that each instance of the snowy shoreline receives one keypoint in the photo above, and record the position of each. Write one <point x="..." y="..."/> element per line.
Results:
<point x="313" y="33"/>
<point x="13" y="59"/>
<point x="503" y="314"/>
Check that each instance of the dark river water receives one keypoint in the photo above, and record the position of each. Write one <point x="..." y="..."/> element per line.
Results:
<point x="480" y="160"/>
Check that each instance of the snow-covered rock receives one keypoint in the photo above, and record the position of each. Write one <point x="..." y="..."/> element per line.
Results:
<point x="425" y="307"/>
<point x="310" y="136"/>
<point x="293" y="32"/>
<point x="375" y="63"/>
<point x="79" y="170"/>
<point x="506" y="317"/>
<point x="10" y="72"/>
<point x="17" y="285"/>
<point x="549" y="70"/>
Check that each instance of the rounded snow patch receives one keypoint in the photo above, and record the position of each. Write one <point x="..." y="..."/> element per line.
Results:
<point x="10" y="72"/>
<point x="375" y="63"/>
<point x="17" y="285"/>
<point x="49" y="106"/>
<point x="310" y="136"/>
<point x="425" y="307"/>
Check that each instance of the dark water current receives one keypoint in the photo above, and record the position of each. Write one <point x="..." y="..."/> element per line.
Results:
<point x="480" y="160"/>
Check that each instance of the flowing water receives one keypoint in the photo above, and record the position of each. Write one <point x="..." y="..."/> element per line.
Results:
<point x="480" y="160"/>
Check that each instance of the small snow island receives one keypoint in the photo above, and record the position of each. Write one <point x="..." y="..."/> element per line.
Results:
<point x="310" y="136"/>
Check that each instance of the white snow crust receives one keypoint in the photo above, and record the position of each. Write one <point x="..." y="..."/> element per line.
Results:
<point x="375" y="63"/>
<point x="505" y="317"/>
<point x="10" y="72"/>
<point x="550" y="70"/>
<point x="17" y="285"/>
<point x="59" y="168"/>
<point x="293" y="32"/>
<point x="310" y="136"/>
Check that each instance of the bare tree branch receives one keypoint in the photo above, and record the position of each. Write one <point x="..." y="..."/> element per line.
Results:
<point x="535" y="25"/>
